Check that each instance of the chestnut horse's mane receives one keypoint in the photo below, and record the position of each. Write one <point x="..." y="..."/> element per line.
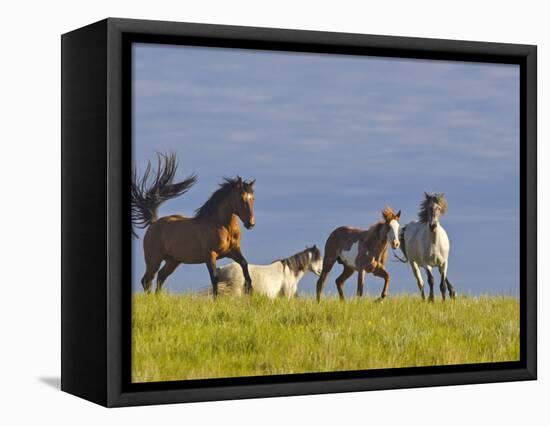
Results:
<point x="211" y="205"/>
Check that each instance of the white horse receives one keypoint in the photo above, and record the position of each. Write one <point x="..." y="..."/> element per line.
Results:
<point x="426" y="244"/>
<point x="279" y="278"/>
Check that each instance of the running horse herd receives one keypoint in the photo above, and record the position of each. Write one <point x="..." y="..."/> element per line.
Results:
<point x="214" y="233"/>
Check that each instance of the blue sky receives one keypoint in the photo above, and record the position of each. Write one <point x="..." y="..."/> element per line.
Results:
<point x="331" y="140"/>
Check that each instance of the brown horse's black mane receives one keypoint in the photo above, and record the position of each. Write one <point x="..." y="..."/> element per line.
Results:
<point x="300" y="261"/>
<point x="437" y="198"/>
<point x="211" y="205"/>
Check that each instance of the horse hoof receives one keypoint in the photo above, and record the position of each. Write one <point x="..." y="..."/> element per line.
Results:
<point x="380" y="300"/>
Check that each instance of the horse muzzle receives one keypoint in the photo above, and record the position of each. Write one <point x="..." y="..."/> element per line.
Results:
<point x="249" y="225"/>
<point x="395" y="244"/>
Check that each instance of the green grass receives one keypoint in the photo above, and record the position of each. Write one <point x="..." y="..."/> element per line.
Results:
<point x="177" y="337"/>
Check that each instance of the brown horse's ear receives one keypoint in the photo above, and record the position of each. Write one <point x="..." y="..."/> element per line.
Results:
<point x="252" y="182"/>
<point x="398" y="215"/>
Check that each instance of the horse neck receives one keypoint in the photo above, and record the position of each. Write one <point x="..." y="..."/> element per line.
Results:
<point x="226" y="216"/>
<point x="434" y="235"/>
<point x="296" y="275"/>
<point x="380" y="243"/>
<point x="293" y="278"/>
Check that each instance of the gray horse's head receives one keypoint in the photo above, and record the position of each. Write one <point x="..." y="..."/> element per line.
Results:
<point x="431" y="209"/>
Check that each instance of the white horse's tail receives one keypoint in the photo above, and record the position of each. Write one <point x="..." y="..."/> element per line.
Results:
<point x="224" y="288"/>
<point x="226" y="283"/>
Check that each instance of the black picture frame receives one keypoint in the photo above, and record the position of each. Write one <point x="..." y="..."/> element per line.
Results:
<point x="96" y="143"/>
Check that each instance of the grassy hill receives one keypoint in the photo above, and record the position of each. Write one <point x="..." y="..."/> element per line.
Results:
<point x="185" y="336"/>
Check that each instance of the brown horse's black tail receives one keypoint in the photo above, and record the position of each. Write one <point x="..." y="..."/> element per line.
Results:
<point x="154" y="188"/>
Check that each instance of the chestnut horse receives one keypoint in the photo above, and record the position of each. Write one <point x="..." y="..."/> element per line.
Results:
<point x="211" y="234"/>
<point x="361" y="251"/>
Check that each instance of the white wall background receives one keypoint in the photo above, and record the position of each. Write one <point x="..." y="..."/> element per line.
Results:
<point x="30" y="200"/>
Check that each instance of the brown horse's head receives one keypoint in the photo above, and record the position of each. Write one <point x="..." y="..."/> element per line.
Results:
<point x="392" y="221"/>
<point x="235" y="196"/>
<point x="243" y="202"/>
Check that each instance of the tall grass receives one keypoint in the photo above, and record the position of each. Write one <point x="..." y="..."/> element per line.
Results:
<point x="177" y="337"/>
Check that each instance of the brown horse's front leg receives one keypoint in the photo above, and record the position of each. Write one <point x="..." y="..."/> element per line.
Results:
<point x="238" y="257"/>
<point x="211" y="265"/>
<point x="382" y="273"/>
<point x="360" y="282"/>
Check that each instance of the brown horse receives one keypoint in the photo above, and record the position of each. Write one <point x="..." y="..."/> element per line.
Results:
<point x="212" y="233"/>
<point x="362" y="251"/>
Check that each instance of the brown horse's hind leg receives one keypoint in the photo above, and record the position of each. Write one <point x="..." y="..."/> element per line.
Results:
<point x="340" y="281"/>
<point x="382" y="273"/>
<point x="360" y="282"/>
<point x="152" y="266"/>
<point x="170" y="266"/>
<point x="328" y="263"/>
